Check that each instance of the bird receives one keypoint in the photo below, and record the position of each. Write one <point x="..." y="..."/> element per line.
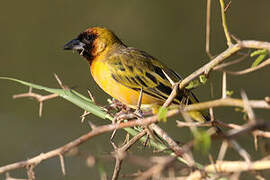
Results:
<point x="129" y="74"/>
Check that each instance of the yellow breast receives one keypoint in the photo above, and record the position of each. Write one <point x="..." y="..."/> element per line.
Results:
<point x="102" y="75"/>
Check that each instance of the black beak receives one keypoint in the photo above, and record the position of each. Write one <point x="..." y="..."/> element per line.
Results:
<point x="74" y="44"/>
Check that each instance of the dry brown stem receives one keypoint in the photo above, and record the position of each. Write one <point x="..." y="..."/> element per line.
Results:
<point x="155" y="171"/>
<point x="245" y="44"/>
<point x="217" y="63"/>
<point x="252" y="69"/>
<point x="38" y="97"/>
<point x="119" y="153"/>
<point x="237" y="166"/>
<point x="63" y="149"/>
<point x="230" y="102"/>
<point x="207" y="32"/>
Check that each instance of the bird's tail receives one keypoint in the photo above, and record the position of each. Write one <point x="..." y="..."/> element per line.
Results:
<point x="200" y="116"/>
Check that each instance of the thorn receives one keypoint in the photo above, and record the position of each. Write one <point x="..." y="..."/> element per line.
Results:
<point x="255" y="140"/>
<point x="168" y="77"/>
<point x="60" y="82"/>
<point x="267" y="99"/>
<point x="146" y="140"/>
<point x="92" y="125"/>
<point x="7" y="175"/>
<point x="85" y="113"/>
<point x="212" y="116"/>
<point x="62" y="162"/>
<point x="227" y="6"/>
<point x="138" y="111"/>
<point x="40" y="108"/>
<point x="30" y="172"/>
<point x="223" y="149"/>
<point x="126" y="139"/>
<point x="91" y="96"/>
<point x="236" y="39"/>
<point x="224" y="85"/>
<point x="247" y="107"/>
<point x="113" y="133"/>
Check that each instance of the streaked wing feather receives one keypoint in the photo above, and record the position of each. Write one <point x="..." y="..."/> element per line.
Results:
<point x="136" y="69"/>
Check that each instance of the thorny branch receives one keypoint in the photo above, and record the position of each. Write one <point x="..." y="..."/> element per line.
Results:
<point x="142" y="122"/>
<point x="119" y="153"/>
<point x="38" y="97"/>
<point x="253" y="125"/>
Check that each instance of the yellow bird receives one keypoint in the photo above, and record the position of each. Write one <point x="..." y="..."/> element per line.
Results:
<point x="123" y="71"/>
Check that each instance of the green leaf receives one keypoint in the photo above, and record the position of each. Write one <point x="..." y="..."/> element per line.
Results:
<point x="162" y="114"/>
<point x="85" y="103"/>
<point x="203" y="79"/>
<point x="193" y="84"/>
<point x="229" y="93"/>
<point x="239" y="109"/>
<point x="261" y="53"/>
<point x="70" y="95"/>
<point x="242" y="110"/>
<point x="101" y="170"/>
<point x="258" y="60"/>
<point x="202" y="141"/>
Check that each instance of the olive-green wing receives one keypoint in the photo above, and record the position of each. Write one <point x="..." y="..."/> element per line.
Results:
<point x="136" y="69"/>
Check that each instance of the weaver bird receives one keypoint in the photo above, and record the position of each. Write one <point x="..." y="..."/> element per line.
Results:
<point x="123" y="72"/>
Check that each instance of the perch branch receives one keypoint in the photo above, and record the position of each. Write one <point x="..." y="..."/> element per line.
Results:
<point x="96" y="131"/>
<point x="237" y="166"/>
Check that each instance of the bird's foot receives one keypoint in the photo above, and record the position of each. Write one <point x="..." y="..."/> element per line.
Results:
<point x="115" y="105"/>
<point x="138" y="113"/>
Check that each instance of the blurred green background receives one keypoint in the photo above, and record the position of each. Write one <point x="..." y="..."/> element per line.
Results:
<point x="32" y="36"/>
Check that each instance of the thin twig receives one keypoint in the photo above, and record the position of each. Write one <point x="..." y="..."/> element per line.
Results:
<point x="62" y="162"/>
<point x="224" y="85"/>
<point x="60" y="82"/>
<point x="243" y="153"/>
<point x="207" y="35"/>
<point x="251" y="69"/>
<point x="119" y="153"/>
<point x="251" y="44"/>
<point x="223" y="150"/>
<point x="96" y="131"/>
<point x="247" y="107"/>
<point x="227" y="102"/>
<point x="173" y="145"/>
<point x="224" y="23"/>
<point x="38" y="97"/>
<point x="261" y="133"/>
<point x="157" y="169"/>
<point x="91" y="96"/>
<point x="220" y="67"/>
<point x="173" y="94"/>
<point x="237" y="166"/>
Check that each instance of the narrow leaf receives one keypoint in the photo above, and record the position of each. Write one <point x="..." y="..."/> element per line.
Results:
<point x="261" y="53"/>
<point x="162" y="114"/>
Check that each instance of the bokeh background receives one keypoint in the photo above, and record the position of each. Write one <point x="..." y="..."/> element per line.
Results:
<point x="33" y="33"/>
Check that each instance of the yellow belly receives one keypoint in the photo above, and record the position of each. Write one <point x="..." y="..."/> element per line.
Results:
<point x="101" y="74"/>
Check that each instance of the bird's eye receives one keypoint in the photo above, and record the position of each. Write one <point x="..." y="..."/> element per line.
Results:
<point x="90" y="37"/>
